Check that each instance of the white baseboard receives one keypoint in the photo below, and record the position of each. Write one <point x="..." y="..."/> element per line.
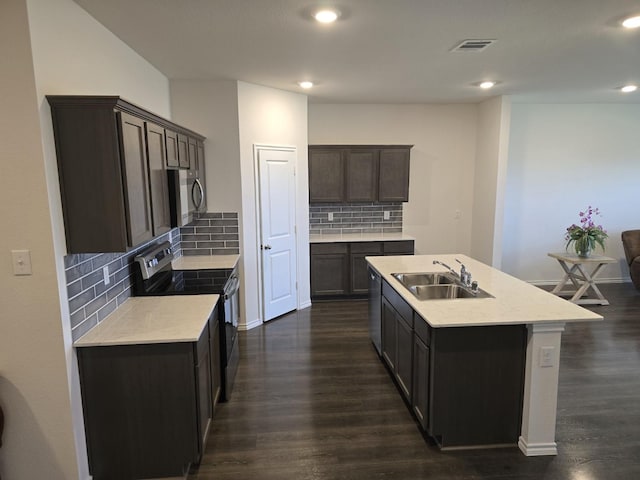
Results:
<point x="549" y="283"/>
<point x="243" y="327"/>
<point x="537" y="449"/>
<point x="304" y="304"/>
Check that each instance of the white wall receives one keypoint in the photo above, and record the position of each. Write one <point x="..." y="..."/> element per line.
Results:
<point x="563" y="158"/>
<point x="55" y="47"/>
<point x="489" y="180"/>
<point x="442" y="161"/>
<point x="211" y="109"/>
<point x="271" y="117"/>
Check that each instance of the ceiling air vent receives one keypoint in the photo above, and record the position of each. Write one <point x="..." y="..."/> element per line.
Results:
<point x="473" y="45"/>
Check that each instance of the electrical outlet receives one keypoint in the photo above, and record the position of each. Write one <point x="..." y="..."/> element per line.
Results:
<point x="105" y="274"/>
<point x="547" y="356"/>
<point x="386" y="215"/>
<point x="330" y="216"/>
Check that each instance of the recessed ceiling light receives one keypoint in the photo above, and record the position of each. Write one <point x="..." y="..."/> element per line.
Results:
<point x="628" y="88"/>
<point x="486" y="85"/>
<point x="306" y="84"/>
<point x="326" y="16"/>
<point x="632" y="22"/>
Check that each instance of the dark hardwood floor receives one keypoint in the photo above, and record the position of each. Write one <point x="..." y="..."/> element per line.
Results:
<point x="313" y="401"/>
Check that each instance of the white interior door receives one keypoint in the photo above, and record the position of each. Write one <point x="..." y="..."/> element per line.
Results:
<point x="278" y="238"/>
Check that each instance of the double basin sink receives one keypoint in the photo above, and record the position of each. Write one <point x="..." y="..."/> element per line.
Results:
<point x="437" y="286"/>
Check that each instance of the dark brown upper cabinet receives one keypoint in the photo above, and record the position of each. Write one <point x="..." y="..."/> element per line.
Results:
<point x="183" y="151"/>
<point x="326" y="175"/>
<point x="157" y="155"/>
<point x="358" y="173"/>
<point x="362" y="175"/>
<point x="112" y="160"/>
<point x="173" y="160"/>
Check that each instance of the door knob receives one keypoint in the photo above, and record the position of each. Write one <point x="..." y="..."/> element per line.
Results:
<point x="266" y="247"/>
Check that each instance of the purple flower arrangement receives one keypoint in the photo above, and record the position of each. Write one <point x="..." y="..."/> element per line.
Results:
<point x="587" y="235"/>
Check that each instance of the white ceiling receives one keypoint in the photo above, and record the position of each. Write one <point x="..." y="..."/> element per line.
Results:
<point x="390" y="51"/>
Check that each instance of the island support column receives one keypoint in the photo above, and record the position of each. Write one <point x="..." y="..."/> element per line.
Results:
<point x="541" y="389"/>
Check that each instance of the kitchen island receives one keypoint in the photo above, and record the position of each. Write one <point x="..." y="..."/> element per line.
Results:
<point x="476" y="372"/>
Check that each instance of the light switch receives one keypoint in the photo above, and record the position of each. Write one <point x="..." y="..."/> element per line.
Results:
<point x="547" y="356"/>
<point x="21" y="262"/>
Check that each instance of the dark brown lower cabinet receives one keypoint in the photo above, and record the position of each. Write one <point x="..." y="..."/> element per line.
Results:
<point x="340" y="269"/>
<point x="397" y="345"/>
<point x="465" y="385"/>
<point x="148" y="407"/>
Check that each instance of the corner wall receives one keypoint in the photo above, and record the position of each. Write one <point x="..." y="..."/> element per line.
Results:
<point x="55" y="47"/>
<point x="268" y="116"/>
<point x="563" y="158"/>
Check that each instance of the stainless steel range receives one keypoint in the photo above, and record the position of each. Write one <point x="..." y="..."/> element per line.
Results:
<point x="153" y="275"/>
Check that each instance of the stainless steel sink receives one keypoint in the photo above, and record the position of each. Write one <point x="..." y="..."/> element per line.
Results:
<point x="442" y="292"/>
<point x="437" y="286"/>
<point x="429" y="278"/>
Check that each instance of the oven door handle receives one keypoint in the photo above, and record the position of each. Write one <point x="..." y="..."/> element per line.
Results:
<point x="234" y="286"/>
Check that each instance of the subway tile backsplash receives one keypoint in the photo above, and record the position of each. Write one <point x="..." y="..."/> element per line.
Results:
<point x="355" y="218"/>
<point x="211" y="234"/>
<point x="90" y="300"/>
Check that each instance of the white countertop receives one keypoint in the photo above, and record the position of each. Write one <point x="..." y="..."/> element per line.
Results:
<point x="515" y="302"/>
<point x="140" y="320"/>
<point x="205" y="262"/>
<point x="359" y="237"/>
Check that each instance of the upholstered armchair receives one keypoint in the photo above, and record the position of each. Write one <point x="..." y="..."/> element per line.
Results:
<point x="631" y="244"/>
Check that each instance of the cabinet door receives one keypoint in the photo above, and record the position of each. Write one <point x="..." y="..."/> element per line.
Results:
<point x="359" y="275"/>
<point x="172" y="149"/>
<point x="394" y="175"/>
<point x="183" y="151"/>
<point x="389" y="334"/>
<point x="216" y="359"/>
<point x="421" y="381"/>
<point x="404" y="357"/>
<point x="136" y="172"/>
<point x="326" y="175"/>
<point x="362" y="175"/>
<point x="329" y="269"/>
<point x="158" y="181"/>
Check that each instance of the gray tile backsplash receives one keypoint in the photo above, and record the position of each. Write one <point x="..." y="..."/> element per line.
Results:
<point x="355" y="218"/>
<point x="90" y="300"/>
<point x="211" y="234"/>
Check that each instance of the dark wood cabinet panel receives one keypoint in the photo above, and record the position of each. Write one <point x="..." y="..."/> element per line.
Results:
<point x="192" y="151"/>
<point x="112" y="197"/>
<point x="326" y="176"/>
<point x="329" y="269"/>
<point x="404" y="358"/>
<point x="389" y="334"/>
<point x="172" y="149"/>
<point x="394" y="175"/>
<point x="157" y="154"/>
<point x="216" y="361"/>
<point x="333" y="264"/>
<point x="361" y="175"/>
<point x="359" y="274"/>
<point x="136" y="173"/>
<point x="420" y="401"/>
<point x="183" y="151"/>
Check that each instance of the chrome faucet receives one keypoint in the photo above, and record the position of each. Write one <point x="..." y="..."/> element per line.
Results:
<point x="464" y="276"/>
<point x="451" y="270"/>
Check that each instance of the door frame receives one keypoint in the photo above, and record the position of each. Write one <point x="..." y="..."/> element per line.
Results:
<point x="257" y="147"/>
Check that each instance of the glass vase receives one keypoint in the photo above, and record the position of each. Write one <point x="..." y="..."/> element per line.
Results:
<point x="583" y="247"/>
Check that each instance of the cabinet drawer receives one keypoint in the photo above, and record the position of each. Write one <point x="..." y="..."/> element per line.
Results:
<point x="422" y="329"/>
<point x="402" y="307"/>
<point x="366" y="247"/>
<point x="399" y="247"/>
<point x="319" y="248"/>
